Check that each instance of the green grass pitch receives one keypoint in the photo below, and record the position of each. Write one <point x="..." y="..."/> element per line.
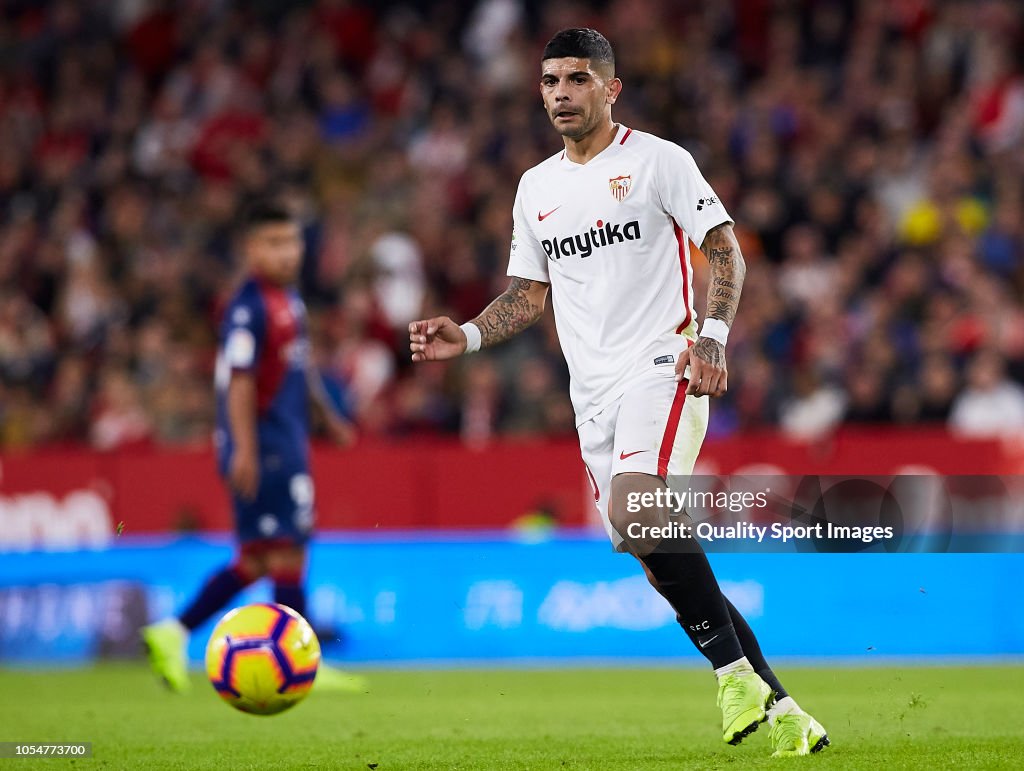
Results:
<point x="602" y="719"/>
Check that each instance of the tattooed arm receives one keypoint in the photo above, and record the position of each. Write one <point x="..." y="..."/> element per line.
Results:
<point x="511" y="312"/>
<point x="727" y="272"/>
<point x="708" y="373"/>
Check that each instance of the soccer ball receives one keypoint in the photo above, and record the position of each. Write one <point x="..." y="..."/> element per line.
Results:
<point x="262" y="658"/>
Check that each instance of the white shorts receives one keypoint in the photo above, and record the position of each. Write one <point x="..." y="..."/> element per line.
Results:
<point x="653" y="428"/>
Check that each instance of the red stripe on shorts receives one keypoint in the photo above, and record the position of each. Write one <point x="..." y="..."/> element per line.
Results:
<point x="593" y="483"/>
<point x="671" y="427"/>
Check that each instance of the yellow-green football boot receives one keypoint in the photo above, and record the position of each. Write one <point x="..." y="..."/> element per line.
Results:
<point x="165" y="644"/>
<point x="794" y="732"/>
<point x="744" y="698"/>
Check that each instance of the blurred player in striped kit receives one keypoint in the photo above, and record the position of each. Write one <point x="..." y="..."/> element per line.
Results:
<point x="265" y="384"/>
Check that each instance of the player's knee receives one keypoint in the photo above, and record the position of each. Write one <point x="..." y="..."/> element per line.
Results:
<point x="633" y="509"/>
<point x="631" y="499"/>
<point x="286" y="564"/>
<point x="248" y="567"/>
<point x="620" y="518"/>
<point x="257" y="558"/>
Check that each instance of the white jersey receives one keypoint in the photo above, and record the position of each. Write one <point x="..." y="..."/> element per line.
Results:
<point x="610" y="236"/>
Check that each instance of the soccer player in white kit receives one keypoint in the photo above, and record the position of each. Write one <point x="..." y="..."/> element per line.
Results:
<point x="605" y="223"/>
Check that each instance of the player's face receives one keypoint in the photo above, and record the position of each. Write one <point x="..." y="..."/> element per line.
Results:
<point x="578" y="96"/>
<point x="275" y="251"/>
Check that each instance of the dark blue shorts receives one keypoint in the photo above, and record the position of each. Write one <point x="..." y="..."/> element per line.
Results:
<point x="282" y="508"/>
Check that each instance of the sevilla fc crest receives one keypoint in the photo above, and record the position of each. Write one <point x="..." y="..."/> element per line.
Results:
<point x="620" y="186"/>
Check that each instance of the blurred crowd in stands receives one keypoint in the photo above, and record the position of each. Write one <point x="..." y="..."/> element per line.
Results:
<point x="871" y="151"/>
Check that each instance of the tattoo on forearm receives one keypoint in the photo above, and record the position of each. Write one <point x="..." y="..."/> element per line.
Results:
<point x="727" y="272"/>
<point x="719" y="256"/>
<point x="510" y="313"/>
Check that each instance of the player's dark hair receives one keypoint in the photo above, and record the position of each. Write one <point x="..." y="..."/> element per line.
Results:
<point x="581" y="43"/>
<point x="262" y="212"/>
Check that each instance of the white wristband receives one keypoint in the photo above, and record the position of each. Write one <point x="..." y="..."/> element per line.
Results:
<point x="473" y="336"/>
<point x="716" y="329"/>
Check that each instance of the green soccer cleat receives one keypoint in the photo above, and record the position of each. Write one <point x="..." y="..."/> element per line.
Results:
<point x="796" y="733"/>
<point x="165" y="644"/>
<point x="744" y="699"/>
<point x="331" y="680"/>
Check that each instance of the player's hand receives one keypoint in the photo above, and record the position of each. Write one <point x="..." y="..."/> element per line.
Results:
<point x="244" y="474"/>
<point x="708" y="373"/>
<point x="341" y="431"/>
<point x="436" y="339"/>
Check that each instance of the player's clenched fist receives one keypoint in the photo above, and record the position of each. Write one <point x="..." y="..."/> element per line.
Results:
<point x="436" y="339"/>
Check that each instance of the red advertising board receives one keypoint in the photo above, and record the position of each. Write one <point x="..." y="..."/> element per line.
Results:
<point x="65" y="496"/>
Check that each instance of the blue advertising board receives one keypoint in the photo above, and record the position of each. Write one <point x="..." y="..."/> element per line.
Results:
<point x="430" y="597"/>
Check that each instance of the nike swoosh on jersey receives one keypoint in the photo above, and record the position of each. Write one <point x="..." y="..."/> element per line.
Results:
<point x="542" y="217"/>
<point x="624" y="455"/>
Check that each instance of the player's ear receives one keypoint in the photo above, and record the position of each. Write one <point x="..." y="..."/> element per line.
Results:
<point x="613" y="89"/>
